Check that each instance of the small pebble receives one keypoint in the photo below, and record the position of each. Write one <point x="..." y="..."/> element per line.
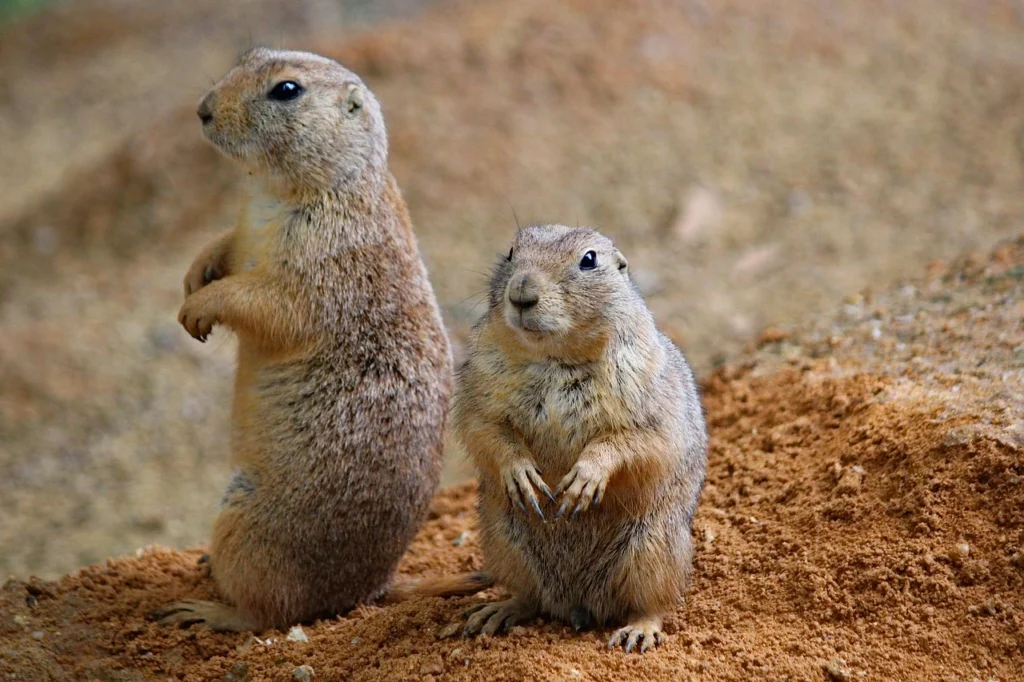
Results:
<point x="463" y="537"/>
<point x="435" y="666"/>
<point x="304" y="673"/>
<point x="297" y="634"/>
<point x="356" y="640"/>
<point x="239" y="673"/>
<point x="851" y="480"/>
<point x="246" y="645"/>
<point x="836" y="670"/>
<point x="837" y="471"/>
<point x="959" y="553"/>
<point x="37" y="635"/>
<point x="449" y="630"/>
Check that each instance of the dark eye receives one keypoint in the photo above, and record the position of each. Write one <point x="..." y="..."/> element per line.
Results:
<point x="509" y="256"/>
<point x="285" y="91"/>
<point x="589" y="261"/>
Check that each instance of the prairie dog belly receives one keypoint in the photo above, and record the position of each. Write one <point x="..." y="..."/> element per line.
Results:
<point x="577" y="562"/>
<point x="558" y="409"/>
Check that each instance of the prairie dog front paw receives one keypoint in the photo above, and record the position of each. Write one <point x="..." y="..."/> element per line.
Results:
<point x="202" y="273"/>
<point x="582" y="488"/>
<point x="210" y="265"/>
<point x="520" y="480"/>
<point x="199" y="313"/>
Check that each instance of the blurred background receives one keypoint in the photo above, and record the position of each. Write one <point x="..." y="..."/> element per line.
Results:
<point x="758" y="162"/>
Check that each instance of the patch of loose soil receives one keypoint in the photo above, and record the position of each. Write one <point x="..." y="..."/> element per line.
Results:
<point x="863" y="519"/>
<point x="756" y="162"/>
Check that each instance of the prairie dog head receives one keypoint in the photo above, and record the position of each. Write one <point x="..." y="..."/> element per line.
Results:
<point x="296" y="118"/>
<point x="560" y="290"/>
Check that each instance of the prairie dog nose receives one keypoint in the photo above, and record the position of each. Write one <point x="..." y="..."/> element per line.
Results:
<point x="205" y="111"/>
<point x="523" y="292"/>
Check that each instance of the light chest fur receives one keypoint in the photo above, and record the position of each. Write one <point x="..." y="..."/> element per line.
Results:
<point x="558" y="408"/>
<point x="259" y="228"/>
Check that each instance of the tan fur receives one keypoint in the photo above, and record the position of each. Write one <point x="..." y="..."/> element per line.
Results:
<point x="344" y="369"/>
<point x="572" y="402"/>
<point x="461" y="584"/>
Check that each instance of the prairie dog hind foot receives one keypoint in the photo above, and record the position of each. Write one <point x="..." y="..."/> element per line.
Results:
<point x="491" y="618"/>
<point x="205" y="614"/>
<point x="645" y="632"/>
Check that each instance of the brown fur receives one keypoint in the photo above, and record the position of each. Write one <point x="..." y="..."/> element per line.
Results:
<point x="580" y="394"/>
<point x="461" y="584"/>
<point x="344" y="369"/>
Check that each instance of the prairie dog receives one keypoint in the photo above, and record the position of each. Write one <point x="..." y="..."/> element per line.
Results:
<point x="344" y="369"/>
<point x="588" y="436"/>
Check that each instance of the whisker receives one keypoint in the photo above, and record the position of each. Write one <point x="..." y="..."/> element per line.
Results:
<point x="479" y="293"/>
<point x="514" y="216"/>
<point x="474" y="307"/>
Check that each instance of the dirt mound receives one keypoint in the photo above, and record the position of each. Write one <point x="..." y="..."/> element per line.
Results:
<point x="862" y="519"/>
<point x="755" y="163"/>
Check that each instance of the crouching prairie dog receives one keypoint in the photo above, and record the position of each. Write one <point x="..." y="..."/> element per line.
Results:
<point x="344" y="369"/>
<point x="588" y="437"/>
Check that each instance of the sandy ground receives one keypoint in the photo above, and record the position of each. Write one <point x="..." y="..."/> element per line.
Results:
<point x="757" y="165"/>
<point x="862" y="519"/>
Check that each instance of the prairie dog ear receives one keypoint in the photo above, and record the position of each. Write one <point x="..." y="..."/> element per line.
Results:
<point x="622" y="263"/>
<point x="352" y="100"/>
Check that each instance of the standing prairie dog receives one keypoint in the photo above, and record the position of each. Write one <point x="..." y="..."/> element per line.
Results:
<point x="569" y="387"/>
<point x="344" y="370"/>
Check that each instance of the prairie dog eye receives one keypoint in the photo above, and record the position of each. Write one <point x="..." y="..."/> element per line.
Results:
<point x="589" y="261"/>
<point x="285" y="91"/>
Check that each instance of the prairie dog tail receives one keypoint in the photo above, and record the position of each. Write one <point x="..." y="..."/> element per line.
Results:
<point x="459" y="585"/>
